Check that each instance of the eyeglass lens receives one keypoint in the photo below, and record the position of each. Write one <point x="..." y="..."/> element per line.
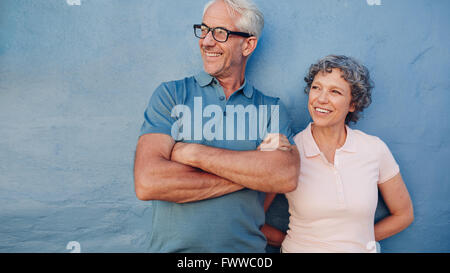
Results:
<point x="219" y="34"/>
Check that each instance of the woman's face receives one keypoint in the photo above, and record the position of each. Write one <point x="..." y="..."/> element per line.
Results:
<point x="329" y="99"/>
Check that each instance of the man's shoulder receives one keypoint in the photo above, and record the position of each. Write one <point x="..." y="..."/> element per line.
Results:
<point x="179" y="82"/>
<point x="176" y="90"/>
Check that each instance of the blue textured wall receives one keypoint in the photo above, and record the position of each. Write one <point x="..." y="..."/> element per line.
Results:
<point x="75" y="80"/>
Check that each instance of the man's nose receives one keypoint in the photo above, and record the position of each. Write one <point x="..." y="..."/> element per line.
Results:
<point x="209" y="39"/>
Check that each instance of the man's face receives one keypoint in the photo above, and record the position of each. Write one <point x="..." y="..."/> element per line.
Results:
<point x="221" y="59"/>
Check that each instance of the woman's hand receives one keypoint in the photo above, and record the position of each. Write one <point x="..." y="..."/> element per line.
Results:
<point x="273" y="235"/>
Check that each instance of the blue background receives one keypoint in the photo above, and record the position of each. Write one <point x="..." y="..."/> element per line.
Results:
<point x="75" y="81"/>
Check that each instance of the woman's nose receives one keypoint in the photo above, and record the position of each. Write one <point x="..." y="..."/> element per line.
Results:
<point x="323" y="96"/>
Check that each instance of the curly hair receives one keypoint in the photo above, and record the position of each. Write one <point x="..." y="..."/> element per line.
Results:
<point x="356" y="74"/>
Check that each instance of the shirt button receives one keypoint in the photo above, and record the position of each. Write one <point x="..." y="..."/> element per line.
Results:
<point x="221" y="98"/>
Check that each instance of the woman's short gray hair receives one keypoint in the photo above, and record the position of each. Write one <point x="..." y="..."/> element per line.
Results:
<point x="252" y="19"/>
<point x="356" y="74"/>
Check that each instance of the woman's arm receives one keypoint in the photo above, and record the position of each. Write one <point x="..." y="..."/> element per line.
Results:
<point x="398" y="201"/>
<point x="273" y="235"/>
<point x="268" y="201"/>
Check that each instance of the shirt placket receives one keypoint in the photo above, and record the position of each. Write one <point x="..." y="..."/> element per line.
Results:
<point x="337" y="179"/>
<point x="339" y="183"/>
<point x="221" y="96"/>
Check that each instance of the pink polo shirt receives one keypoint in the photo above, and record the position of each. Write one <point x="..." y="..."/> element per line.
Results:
<point x="333" y="207"/>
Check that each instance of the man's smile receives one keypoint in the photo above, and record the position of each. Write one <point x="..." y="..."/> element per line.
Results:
<point x="209" y="53"/>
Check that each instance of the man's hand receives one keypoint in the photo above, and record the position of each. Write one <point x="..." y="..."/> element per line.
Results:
<point x="275" y="142"/>
<point x="184" y="153"/>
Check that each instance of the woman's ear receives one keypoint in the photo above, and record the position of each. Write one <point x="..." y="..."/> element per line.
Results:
<point x="249" y="45"/>
<point x="352" y="107"/>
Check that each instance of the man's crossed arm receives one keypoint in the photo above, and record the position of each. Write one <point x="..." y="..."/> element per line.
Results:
<point x="184" y="172"/>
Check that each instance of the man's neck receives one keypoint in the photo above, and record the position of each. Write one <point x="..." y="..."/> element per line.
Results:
<point x="231" y="83"/>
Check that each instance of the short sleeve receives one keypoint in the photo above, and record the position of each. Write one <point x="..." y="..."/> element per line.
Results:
<point x="285" y="122"/>
<point x="157" y="116"/>
<point x="388" y="166"/>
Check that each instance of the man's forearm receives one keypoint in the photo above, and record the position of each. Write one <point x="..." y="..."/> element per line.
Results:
<point x="269" y="171"/>
<point x="174" y="182"/>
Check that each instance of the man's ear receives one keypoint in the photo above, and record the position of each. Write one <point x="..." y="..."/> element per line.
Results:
<point x="249" y="45"/>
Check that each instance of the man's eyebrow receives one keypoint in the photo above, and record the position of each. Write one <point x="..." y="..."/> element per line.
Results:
<point x="203" y="23"/>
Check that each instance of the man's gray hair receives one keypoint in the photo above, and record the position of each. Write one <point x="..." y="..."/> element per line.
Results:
<point x="252" y="19"/>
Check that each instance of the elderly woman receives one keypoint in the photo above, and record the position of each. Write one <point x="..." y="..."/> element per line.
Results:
<point x="342" y="169"/>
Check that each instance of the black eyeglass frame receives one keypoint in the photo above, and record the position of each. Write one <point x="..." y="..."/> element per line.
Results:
<point x="238" y="33"/>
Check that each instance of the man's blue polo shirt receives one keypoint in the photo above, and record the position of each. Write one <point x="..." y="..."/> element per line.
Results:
<point x="230" y="223"/>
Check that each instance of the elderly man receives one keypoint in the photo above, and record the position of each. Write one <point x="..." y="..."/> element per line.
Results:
<point x="207" y="186"/>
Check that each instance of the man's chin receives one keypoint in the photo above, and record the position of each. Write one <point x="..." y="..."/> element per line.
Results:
<point x="210" y="71"/>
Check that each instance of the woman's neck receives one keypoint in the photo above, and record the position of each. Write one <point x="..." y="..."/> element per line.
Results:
<point x="329" y="138"/>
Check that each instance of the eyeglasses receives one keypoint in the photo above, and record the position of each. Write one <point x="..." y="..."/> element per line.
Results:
<point x="219" y="34"/>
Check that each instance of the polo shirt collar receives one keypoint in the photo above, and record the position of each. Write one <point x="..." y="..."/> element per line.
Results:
<point x="247" y="89"/>
<point x="349" y="145"/>
<point x="205" y="79"/>
<point x="310" y="146"/>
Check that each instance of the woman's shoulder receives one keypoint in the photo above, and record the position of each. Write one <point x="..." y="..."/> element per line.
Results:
<point x="299" y="136"/>
<point x="367" y="140"/>
<point x="363" y="135"/>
